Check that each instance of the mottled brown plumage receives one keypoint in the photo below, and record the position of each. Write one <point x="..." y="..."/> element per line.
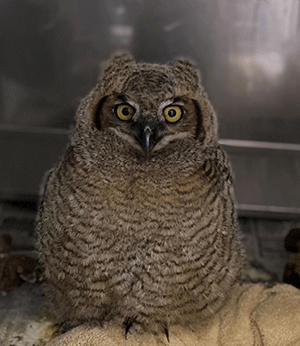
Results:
<point x="137" y="220"/>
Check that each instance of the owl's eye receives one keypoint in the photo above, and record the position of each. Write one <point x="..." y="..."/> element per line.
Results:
<point x="173" y="113"/>
<point x="124" y="112"/>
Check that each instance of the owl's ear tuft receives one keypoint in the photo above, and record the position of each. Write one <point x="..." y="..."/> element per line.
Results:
<point x="188" y="82"/>
<point x="115" y="70"/>
<point x="187" y="74"/>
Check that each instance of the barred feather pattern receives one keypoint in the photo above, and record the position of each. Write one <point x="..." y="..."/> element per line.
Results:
<point x="156" y="242"/>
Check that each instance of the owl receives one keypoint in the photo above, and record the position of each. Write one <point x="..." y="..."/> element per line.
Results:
<point x="137" y="221"/>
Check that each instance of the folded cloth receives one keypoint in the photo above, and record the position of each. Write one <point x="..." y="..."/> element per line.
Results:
<point x="254" y="315"/>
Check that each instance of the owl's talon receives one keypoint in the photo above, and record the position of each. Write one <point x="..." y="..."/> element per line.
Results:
<point x="128" y="324"/>
<point x="166" y="330"/>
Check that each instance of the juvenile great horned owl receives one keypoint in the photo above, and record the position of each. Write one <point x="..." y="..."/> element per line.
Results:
<point x="137" y="220"/>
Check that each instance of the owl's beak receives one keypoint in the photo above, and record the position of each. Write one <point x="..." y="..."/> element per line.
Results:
<point x="148" y="137"/>
<point x="147" y="142"/>
<point x="148" y="132"/>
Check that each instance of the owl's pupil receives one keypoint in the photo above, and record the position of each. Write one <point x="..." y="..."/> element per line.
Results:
<point x="125" y="111"/>
<point x="172" y="113"/>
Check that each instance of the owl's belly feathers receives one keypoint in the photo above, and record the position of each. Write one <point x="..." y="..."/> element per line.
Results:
<point x="139" y="248"/>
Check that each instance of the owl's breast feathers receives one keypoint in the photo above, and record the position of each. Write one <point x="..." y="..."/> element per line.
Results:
<point x="172" y="208"/>
<point x="165" y="190"/>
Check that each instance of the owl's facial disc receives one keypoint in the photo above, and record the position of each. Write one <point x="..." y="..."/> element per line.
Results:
<point x="148" y="126"/>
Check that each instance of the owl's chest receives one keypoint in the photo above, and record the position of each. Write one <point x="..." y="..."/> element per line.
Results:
<point x="143" y="207"/>
<point x="137" y="225"/>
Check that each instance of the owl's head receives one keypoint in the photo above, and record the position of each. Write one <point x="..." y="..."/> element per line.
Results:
<point x="149" y="106"/>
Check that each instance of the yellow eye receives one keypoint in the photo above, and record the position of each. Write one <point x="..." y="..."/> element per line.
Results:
<point x="124" y="111"/>
<point x="173" y="113"/>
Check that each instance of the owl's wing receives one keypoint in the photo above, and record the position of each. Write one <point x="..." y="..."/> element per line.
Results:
<point x="217" y="163"/>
